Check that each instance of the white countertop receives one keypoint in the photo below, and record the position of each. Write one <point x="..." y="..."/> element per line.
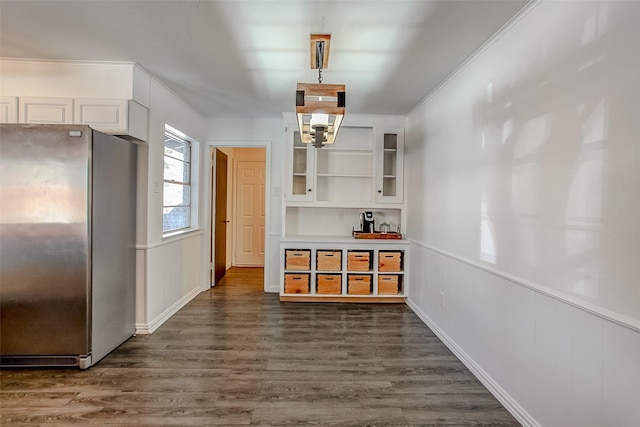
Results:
<point x="340" y="239"/>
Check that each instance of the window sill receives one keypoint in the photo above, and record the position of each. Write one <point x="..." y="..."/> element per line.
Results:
<point x="172" y="237"/>
<point x="181" y="234"/>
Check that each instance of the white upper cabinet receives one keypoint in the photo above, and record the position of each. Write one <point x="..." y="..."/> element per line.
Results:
<point x="45" y="110"/>
<point x="363" y="168"/>
<point x="113" y="116"/>
<point x="110" y="97"/>
<point x="299" y="173"/>
<point x="389" y="165"/>
<point x="121" y="117"/>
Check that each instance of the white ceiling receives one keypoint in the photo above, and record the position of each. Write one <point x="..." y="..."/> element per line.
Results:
<point x="243" y="58"/>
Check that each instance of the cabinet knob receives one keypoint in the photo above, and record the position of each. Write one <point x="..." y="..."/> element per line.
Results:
<point x="379" y="191"/>
<point x="309" y="190"/>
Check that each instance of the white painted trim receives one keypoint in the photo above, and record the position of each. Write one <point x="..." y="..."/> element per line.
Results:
<point x="149" y="328"/>
<point x="603" y="313"/>
<point x="274" y="289"/>
<point x="498" y="392"/>
<point x="171" y="239"/>
<point x="486" y="45"/>
<point x="141" y="295"/>
<point x="70" y="61"/>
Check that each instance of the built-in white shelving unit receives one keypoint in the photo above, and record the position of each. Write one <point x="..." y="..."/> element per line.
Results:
<point x="359" y="271"/>
<point x="327" y="188"/>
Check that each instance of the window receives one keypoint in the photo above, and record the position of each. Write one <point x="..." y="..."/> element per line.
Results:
<point x="176" y="212"/>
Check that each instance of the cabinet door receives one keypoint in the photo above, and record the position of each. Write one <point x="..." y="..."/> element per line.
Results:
<point x="46" y="110"/>
<point x="113" y="116"/>
<point x="389" y="165"/>
<point x="299" y="171"/>
<point x="105" y="115"/>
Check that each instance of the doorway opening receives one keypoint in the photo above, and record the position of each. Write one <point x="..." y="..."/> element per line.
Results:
<point x="239" y="208"/>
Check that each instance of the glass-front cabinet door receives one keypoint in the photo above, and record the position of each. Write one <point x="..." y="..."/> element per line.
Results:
<point x="300" y="174"/>
<point x="389" y="167"/>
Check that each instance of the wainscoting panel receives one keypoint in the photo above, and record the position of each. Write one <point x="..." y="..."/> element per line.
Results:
<point x="548" y="361"/>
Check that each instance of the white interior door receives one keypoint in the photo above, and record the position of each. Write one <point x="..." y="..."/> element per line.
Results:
<point x="250" y="213"/>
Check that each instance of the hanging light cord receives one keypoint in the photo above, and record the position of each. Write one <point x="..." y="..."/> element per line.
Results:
<point x="319" y="58"/>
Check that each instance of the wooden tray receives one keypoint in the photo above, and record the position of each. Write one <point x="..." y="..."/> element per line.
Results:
<point x="362" y="235"/>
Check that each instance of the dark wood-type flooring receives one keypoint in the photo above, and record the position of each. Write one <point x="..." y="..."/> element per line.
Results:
<point x="235" y="355"/>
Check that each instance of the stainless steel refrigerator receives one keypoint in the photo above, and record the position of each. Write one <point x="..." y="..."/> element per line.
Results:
<point x="67" y="244"/>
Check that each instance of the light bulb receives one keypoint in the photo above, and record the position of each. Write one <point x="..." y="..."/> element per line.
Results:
<point x="319" y="119"/>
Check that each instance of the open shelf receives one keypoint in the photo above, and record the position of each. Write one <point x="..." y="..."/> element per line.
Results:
<point x="343" y="271"/>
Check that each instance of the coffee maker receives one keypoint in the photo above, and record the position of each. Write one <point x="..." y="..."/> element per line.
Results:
<point x="367" y="222"/>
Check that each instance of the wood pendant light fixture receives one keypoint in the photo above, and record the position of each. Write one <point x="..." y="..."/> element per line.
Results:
<point x="319" y="107"/>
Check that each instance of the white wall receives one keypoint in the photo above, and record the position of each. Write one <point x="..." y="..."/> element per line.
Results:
<point x="257" y="133"/>
<point x="523" y="177"/>
<point x="170" y="270"/>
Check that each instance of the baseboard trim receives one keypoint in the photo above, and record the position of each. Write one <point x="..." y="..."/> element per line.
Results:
<point x="149" y="328"/>
<point x="519" y="413"/>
